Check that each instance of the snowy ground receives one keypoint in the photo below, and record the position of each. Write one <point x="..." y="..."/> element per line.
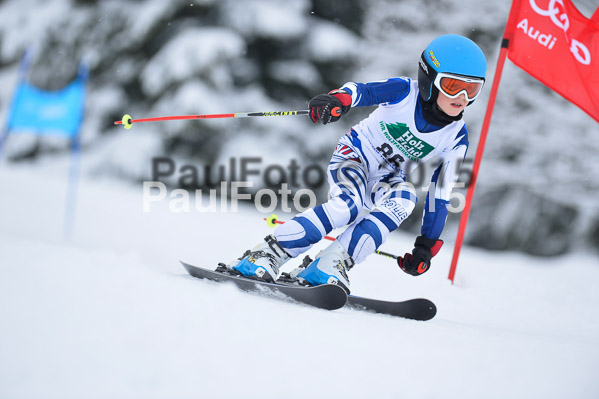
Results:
<point x="111" y="314"/>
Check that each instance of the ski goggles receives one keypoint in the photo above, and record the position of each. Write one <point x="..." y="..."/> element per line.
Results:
<point x="454" y="85"/>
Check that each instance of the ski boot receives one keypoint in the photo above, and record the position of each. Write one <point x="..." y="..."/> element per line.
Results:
<point x="329" y="267"/>
<point x="261" y="263"/>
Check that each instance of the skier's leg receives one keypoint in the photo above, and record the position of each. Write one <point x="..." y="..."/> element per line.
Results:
<point x="310" y="226"/>
<point x="363" y="238"/>
<point x="360" y="239"/>
<point x="347" y="177"/>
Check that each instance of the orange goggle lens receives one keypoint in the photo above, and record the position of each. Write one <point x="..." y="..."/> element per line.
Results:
<point x="453" y="87"/>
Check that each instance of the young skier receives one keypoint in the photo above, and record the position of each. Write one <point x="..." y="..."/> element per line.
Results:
<point x="414" y="122"/>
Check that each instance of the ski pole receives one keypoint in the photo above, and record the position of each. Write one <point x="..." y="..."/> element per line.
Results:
<point x="273" y="220"/>
<point x="127" y="121"/>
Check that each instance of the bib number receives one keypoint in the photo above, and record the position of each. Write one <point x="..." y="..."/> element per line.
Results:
<point x="386" y="151"/>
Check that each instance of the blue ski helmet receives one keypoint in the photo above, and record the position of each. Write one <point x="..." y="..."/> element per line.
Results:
<point x="449" y="54"/>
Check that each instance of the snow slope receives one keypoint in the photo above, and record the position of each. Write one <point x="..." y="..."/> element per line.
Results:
<point x="111" y="314"/>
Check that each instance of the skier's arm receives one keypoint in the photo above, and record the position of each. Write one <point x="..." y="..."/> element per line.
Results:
<point x="331" y="106"/>
<point x="443" y="180"/>
<point x="428" y="243"/>
<point x="388" y="91"/>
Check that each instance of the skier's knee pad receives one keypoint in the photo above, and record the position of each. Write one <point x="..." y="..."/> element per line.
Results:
<point x="343" y="209"/>
<point x="348" y="189"/>
<point x="297" y="235"/>
<point x="362" y="239"/>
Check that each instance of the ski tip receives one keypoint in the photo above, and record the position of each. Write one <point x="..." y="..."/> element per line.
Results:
<point x="429" y="309"/>
<point x="187" y="266"/>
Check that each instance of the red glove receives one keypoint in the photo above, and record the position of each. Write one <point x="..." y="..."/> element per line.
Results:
<point x="419" y="261"/>
<point x="329" y="107"/>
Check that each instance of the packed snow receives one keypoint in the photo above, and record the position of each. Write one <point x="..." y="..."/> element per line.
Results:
<point x="110" y="312"/>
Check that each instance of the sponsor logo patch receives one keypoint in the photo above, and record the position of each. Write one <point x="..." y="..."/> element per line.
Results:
<point x="434" y="59"/>
<point x="403" y="139"/>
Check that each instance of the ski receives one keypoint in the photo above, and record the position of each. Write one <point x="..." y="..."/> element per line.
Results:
<point x="415" y="309"/>
<point x="326" y="296"/>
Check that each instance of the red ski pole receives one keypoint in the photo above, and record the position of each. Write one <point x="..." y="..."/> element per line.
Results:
<point x="127" y="121"/>
<point x="273" y="220"/>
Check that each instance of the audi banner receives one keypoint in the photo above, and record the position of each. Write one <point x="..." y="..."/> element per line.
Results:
<point x="555" y="43"/>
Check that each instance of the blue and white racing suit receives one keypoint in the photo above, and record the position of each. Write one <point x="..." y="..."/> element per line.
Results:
<point x="368" y="171"/>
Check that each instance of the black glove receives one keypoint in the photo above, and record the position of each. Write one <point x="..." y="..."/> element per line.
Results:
<point x="329" y="107"/>
<point x="419" y="261"/>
